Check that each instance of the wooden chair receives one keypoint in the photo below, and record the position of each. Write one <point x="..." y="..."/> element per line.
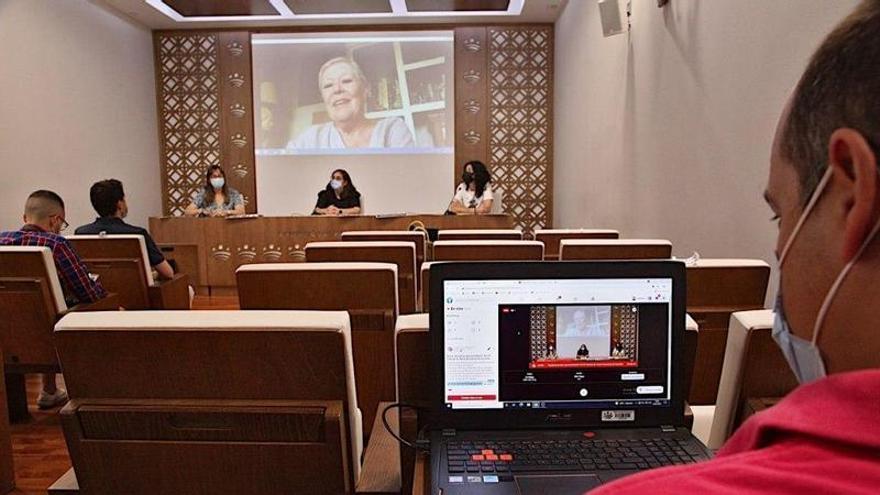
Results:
<point x="7" y="475"/>
<point x="484" y="250"/>
<point x="368" y="291"/>
<point x="122" y="263"/>
<point x="417" y="237"/>
<point x="413" y="383"/>
<point x="753" y="367"/>
<point x="425" y="278"/>
<point x="31" y="301"/>
<point x="715" y="289"/>
<point x="614" y="249"/>
<point x="479" y="234"/>
<point x="207" y="402"/>
<point x="551" y="238"/>
<point x="402" y="254"/>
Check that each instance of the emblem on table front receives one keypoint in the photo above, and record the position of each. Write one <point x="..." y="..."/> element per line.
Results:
<point x="271" y="253"/>
<point x="296" y="254"/>
<point x="235" y="48"/>
<point x="221" y="253"/>
<point x="246" y="253"/>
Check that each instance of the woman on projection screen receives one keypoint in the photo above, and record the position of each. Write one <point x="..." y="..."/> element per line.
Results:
<point x="344" y="91"/>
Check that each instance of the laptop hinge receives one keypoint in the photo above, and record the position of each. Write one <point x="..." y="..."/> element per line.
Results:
<point x="667" y="428"/>
<point x="448" y="432"/>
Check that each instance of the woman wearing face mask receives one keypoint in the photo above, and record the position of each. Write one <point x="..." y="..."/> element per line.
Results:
<point x="474" y="195"/>
<point x="340" y="197"/>
<point x="216" y="199"/>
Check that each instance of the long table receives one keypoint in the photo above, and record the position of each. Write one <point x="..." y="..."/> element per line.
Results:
<point x="220" y="245"/>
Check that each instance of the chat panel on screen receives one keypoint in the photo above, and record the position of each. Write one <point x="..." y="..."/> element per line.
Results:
<point x="353" y="93"/>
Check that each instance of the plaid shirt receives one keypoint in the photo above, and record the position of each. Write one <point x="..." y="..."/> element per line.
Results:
<point x="73" y="272"/>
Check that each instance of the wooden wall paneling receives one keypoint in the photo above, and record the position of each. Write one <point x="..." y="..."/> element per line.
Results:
<point x="520" y="137"/>
<point x="189" y="113"/>
<point x="235" y="88"/>
<point x="471" y="98"/>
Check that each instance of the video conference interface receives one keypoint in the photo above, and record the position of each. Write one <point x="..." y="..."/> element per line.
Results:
<point x="557" y="343"/>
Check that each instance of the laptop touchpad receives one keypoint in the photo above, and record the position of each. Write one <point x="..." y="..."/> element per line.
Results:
<point x="575" y="484"/>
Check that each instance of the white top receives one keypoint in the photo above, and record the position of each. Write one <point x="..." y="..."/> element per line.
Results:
<point x="469" y="198"/>
<point x="390" y="132"/>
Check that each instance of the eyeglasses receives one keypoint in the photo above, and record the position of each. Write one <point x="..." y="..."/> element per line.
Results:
<point x="64" y="223"/>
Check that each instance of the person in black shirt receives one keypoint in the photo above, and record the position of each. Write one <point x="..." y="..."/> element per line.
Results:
<point x="340" y="197"/>
<point x="108" y="199"/>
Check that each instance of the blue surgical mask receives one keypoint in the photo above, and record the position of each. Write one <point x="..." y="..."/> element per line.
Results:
<point x="217" y="182"/>
<point x="803" y="355"/>
<point x="336" y="184"/>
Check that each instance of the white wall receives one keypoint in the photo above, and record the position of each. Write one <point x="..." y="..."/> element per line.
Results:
<point x="77" y="104"/>
<point x="666" y="132"/>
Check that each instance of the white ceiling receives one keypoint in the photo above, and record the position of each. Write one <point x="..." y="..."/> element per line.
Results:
<point x="544" y="11"/>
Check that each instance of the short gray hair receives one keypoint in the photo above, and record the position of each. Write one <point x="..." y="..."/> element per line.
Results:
<point x="341" y="60"/>
<point x="840" y="88"/>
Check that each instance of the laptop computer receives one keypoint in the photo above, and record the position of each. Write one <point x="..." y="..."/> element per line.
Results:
<point x="556" y="377"/>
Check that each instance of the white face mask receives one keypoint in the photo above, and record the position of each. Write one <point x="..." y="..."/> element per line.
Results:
<point x="336" y="184"/>
<point x="803" y="356"/>
<point x="217" y="182"/>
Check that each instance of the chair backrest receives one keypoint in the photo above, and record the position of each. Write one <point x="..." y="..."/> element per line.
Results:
<point x="401" y="253"/>
<point x="122" y="263"/>
<point x="415" y="236"/>
<point x="210" y="401"/>
<point x="484" y="250"/>
<point x="413" y="383"/>
<point x="368" y="291"/>
<point x="551" y="238"/>
<point x="753" y="367"/>
<point x="614" y="249"/>
<point x="479" y="234"/>
<point x="31" y="299"/>
<point x="425" y="279"/>
<point x="715" y="289"/>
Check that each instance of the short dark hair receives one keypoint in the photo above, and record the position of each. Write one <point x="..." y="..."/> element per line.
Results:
<point x="840" y="88"/>
<point x="41" y="204"/>
<point x="105" y="196"/>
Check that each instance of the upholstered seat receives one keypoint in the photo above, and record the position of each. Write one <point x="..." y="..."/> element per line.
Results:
<point x="614" y="249"/>
<point x="211" y="401"/>
<point x="754" y="367"/>
<point x="123" y="266"/>
<point x="478" y="234"/>
<point x="368" y="291"/>
<point x="551" y="238"/>
<point x="488" y="250"/>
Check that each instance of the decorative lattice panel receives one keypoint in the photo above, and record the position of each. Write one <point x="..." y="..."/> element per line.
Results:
<point x="189" y="114"/>
<point x="520" y="66"/>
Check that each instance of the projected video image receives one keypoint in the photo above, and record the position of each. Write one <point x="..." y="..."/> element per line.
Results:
<point x="343" y="93"/>
<point x="583" y="336"/>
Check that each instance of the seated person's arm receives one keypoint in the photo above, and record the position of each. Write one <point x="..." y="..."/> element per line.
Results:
<point x="485" y="206"/>
<point x="323" y="206"/>
<point x="156" y="258"/>
<point x="75" y="276"/>
<point x="355" y="210"/>
<point x="238" y="206"/>
<point x="460" y="209"/>
<point x="192" y="210"/>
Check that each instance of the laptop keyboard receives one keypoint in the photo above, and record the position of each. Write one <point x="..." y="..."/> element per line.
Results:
<point x="506" y="457"/>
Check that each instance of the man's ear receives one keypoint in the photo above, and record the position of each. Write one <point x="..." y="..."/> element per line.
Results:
<point x="855" y="164"/>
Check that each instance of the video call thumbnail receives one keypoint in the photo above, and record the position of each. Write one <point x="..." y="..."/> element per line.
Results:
<point x="583" y="336"/>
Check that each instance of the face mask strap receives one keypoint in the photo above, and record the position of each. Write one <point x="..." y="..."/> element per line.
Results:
<point x="826" y="304"/>
<point x="817" y="193"/>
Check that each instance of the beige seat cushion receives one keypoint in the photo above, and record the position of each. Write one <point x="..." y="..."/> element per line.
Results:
<point x="218" y="321"/>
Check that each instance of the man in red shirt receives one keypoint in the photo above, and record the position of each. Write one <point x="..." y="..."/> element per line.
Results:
<point x="824" y="190"/>
<point x="43" y="222"/>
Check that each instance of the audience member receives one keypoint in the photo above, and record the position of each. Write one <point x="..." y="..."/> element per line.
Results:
<point x="44" y="219"/>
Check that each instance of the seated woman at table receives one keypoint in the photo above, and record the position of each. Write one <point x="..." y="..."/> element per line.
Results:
<point x="340" y="197"/>
<point x="474" y="195"/>
<point x="216" y="199"/>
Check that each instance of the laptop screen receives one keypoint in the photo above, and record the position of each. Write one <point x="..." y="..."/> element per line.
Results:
<point x="557" y="343"/>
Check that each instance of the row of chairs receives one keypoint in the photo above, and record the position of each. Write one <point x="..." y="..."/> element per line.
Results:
<point x="281" y="409"/>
